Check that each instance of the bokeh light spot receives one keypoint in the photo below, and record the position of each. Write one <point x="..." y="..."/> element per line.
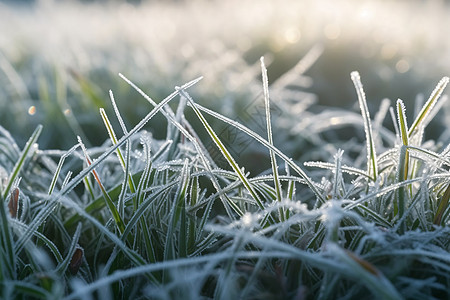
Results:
<point x="402" y="66"/>
<point x="32" y="110"/>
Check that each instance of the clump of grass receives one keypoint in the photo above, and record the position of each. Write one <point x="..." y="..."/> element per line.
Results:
<point x="163" y="221"/>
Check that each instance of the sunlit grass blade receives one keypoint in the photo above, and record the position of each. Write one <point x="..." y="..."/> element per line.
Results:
<point x="426" y="109"/>
<point x="403" y="134"/>
<point x="261" y="140"/>
<point x="372" y="165"/>
<point x="28" y="150"/>
<point x="227" y="203"/>
<point x="224" y="152"/>
<point x="112" y="136"/>
<point x="273" y="160"/>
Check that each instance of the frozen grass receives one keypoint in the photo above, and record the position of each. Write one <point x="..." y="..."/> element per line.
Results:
<point x="159" y="220"/>
<point x="171" y="212"/>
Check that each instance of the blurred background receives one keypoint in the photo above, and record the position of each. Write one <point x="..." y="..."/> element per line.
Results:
<point x="59" y="59"/>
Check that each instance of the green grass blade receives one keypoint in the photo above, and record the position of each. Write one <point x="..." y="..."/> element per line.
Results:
<point x="428" y="106"/>
<point x="7" y="246"/>
<point x="227" y="203"/>
<point x="403" y="134"/>
<point x="224" y="151"/>
<point x="273" y="159"/>
<point x="261" y="140"/>
<point x="372" y="166"/>
<point x="112" y="136"/>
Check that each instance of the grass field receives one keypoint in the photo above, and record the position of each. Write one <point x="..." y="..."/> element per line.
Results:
<point x="224" y="149"/>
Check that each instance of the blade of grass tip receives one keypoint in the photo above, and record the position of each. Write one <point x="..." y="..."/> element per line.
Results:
<point x="112" y="136"/>
<point x="59" y="167"/>
<point x="403" y="134"/>
<point x="112" y="208"/>
<point x="273" y="159"/>
<point x="425" y="111"/>
<point x="371" y="153"/>
<point x="117" y="112"/>
<point x="23" y="156"/>
<point x="224" y="151"/>
<point x="7" y="243"/>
